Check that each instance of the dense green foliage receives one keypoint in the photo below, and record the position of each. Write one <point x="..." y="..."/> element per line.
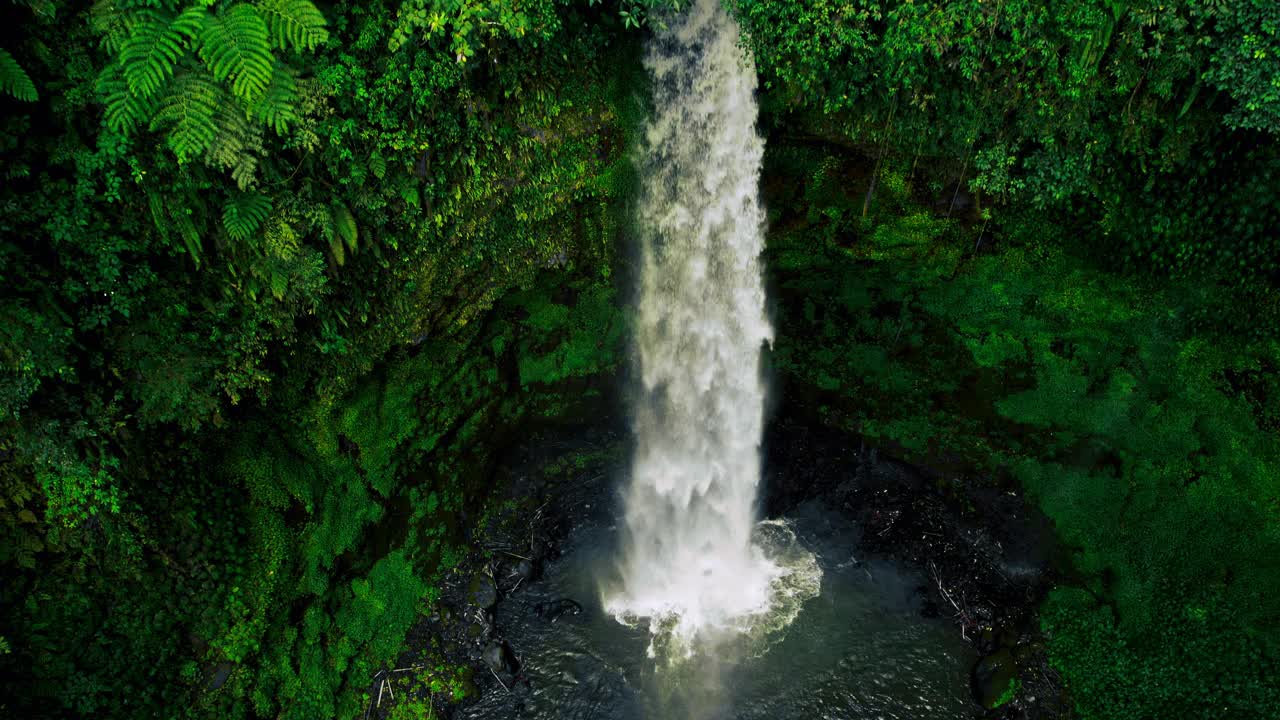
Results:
<point x="281" y="275"/>
<point x="1097" y="322"/>
<point x="1152" y="444"/>
<point x="255" y="341"/>
<point x="1150" y="125"/>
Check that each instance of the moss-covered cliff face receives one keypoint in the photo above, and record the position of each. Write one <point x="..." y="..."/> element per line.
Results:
<point x="993" y="354"/>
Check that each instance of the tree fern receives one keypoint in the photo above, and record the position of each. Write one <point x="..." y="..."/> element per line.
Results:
<point x="275" y="109"/>
<point x="243" y="215"/>
<point x="155" y="44"/>
<point x="188" y="111"/>
<point x="295" y="23"/>
<point x="14" y="80"/>
<point x="234" y="45"/>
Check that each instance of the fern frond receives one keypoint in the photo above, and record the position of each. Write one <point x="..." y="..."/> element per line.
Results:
<point x="245" y="214"/>
<point x="188" y="111"/>
<point x="190" y="236"/>
<point x="377" y="165"/>
<point x="238" y="145"/>
<point x="125" y="111"/>
<point x="296" y="23"/>
<point x="107" y="20"/>
<point x="281" y="238"/>
<point x="323" y="220"/>
<point x="344" y="225"/>
<point x="14" y="80"/>
<point x="45" y="9"/>
<point x="335" y="247"/>
<point x="276" y="108"/>
<point x="279" y="283"/>
<point x="159" y="216"/>
<point x="234" y="45"/>
<point x="154" y="46"/>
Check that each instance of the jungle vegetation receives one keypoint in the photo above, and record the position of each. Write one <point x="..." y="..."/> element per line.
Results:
<point x="280" y="275"/>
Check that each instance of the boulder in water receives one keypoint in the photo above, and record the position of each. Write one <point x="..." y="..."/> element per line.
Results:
<point x="995" y="679"/>
<point x="498" y="658"/>
<point x="525" y="570"/>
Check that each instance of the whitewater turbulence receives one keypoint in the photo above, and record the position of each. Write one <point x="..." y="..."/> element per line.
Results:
<point x="692" y="559"/>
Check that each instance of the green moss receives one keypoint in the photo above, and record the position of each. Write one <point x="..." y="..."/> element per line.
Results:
<point x="1010" y="692"/>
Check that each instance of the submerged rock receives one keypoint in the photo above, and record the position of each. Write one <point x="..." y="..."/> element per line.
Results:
<point x="994" y="679"/>
<point x="552" y="610"/>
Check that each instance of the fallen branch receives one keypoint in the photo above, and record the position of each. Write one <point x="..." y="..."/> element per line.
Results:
<point x="933" y="570"/>
<point x="495" y="677"/>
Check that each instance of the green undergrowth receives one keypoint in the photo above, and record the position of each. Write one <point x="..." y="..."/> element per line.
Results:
<point x="985" y="349"/>
<point x="303" y="551"/>
<point x="425" y="429"/>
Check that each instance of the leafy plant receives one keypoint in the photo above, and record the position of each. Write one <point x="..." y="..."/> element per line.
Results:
<point x="14" y="81"/>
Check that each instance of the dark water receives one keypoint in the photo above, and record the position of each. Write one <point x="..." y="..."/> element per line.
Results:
<point x="860" y="650"/>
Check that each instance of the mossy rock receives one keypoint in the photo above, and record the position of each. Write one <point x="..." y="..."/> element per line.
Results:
<point x="482" y="592"/>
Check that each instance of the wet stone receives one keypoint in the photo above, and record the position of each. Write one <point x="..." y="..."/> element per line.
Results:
<point x="552" y="610"/>
<point x="992" y="678"/>
<point x="482" y="592"/>
<point x="497" y="657"/>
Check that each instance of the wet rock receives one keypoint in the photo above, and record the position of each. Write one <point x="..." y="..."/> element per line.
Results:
<point x="498" y="658"/>
<point x="552" y="610"/>
<point x="1026" y="652"/>
<point x="482" y="592"/>
<point x="525" y="570"/>
<point x="993" y="679"/>
<point x="443" y="614"/>
<point x="541" y="548"/>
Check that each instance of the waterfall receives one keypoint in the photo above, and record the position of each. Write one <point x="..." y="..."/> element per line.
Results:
<point x="690" y="560"/>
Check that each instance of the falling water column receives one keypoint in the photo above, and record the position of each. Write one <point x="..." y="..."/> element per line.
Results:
<point x="688" y="562"/>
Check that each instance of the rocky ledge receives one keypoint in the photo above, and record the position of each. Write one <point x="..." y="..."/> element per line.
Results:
<point x="986" y="554"/>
